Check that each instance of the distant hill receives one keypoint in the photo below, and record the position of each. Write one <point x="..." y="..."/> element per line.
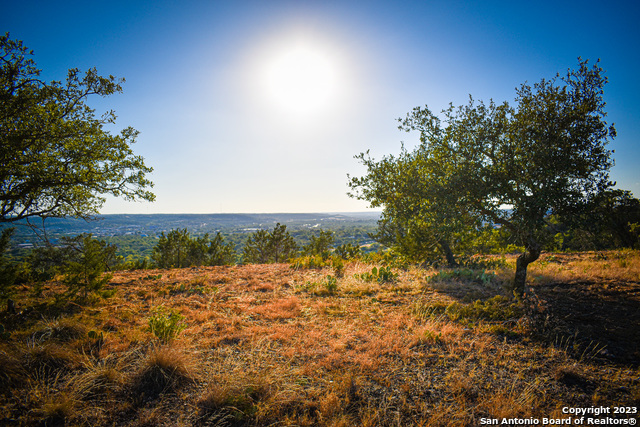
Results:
<point x="153" y="224"/>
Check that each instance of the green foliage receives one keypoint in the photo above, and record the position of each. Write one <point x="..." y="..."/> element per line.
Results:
<point x="166" y="325"/>
<point x="264" y="247"/>
<point x="348" y="251"/>
<point x="330" y="284"/>
<point x="309" y="262"/>
<point x="338" y="266"/>
<point x="56" y="157"/>
<point x="85" y="270"/>
<point x="609" y="220"/>
<point x="380" y="275"/>
<point x="7" y="268"/>
<point x="545" y="155"/>
<point x="178" y="249"/>
<point x="319" y="245"/>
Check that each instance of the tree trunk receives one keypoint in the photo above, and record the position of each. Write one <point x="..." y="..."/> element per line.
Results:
<point x="531" y="253"/>
<point x="444" y="245"/>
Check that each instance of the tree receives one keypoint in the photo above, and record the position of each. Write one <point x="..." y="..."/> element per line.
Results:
<point x="419" y="218"/>
<point x="56" y="157"/>
<point x="90" y="259"/>
<point x="178" y="249"/>
<point x="172" y="249"/>
<point x="515" y="166"/>
<point x="264" y="246"/>
<point x="609" y="220"/>
<point x="320" y="244"/>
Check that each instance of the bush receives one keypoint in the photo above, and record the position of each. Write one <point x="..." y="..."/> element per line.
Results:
<point x="348" y="251"/>
<point x="85" y="271"/>
<point x="166" y="326"/>
<point x="380" y="275"/>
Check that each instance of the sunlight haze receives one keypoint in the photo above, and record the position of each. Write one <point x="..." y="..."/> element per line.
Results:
<point x="254" y="106"/>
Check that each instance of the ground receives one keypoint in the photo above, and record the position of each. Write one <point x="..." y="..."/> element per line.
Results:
<point x="276" y="345"/>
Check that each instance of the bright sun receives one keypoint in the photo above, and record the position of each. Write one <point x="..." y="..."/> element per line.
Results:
<point x="300" y="79"/>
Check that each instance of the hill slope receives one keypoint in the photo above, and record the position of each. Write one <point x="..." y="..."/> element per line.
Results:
<point x="265" y="344"/>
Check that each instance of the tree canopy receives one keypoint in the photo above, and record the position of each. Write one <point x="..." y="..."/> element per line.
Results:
<point x="512" y="166"/>
<point x="56" y="157"/>
<point x="263" y="247"/>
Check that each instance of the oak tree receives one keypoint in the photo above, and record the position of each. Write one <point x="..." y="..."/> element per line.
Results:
<point x="514" y="166"/>
<point x="57" y="158"/>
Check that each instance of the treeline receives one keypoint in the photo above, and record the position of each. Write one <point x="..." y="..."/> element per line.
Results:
<point x="82" y="261"/>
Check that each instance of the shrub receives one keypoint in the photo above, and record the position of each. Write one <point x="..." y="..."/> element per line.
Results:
<point x="264" y="246"/>
<point x="380" y="275"/>
<point x="320" y="245"/>
<point x="348" y="251"/>
<point x="85" y="271"/>
<point x="166" y="326"/>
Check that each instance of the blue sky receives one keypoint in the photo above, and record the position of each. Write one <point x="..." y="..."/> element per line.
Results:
<point x="228" y="128"/>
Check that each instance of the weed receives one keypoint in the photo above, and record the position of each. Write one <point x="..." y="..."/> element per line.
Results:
<point x="166" y="325"/>
<point x="330" y="284"/>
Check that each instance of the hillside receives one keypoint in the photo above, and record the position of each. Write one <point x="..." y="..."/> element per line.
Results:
<point x="272" y="345"/>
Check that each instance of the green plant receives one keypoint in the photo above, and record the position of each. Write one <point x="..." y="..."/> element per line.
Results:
<point x="86" y="270"/>
<point x="380" y="275"/>
<point x="348" y="251"/>
<point x="166" y="325"/>
<point x="309" y="262"/>
<point x="58" y="158"/>
<point x="338" y="266"/>
<point x="330" y="283"/>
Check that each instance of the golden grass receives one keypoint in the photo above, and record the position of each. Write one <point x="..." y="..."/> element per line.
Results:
<point x="270" y="345"/>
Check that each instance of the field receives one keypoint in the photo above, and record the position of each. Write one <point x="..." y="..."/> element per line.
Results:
<point x="261" y="345"/>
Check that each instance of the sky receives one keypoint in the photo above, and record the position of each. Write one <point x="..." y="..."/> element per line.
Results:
<point x="261" y="106"/>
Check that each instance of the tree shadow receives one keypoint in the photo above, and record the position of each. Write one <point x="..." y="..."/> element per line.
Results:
<point x="602" y="317"/>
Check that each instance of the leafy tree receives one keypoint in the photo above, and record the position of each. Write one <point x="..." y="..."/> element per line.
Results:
<point x="90" y="259"/>
<point x="609" y="220"/>
<point x="219" y="252"/>
<point x="56" y="158"/>
<point x="514" y="166"/>
<point x="178" y="249"/>
<point x="256" y="248"/>
<point x="172" y="249"/>
<point x="320" y="244"/>
<point x="419" y="218"/>
<point x="264" y="247"/>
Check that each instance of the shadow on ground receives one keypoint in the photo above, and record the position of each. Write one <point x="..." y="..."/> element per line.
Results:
<point x="604" y="317"/>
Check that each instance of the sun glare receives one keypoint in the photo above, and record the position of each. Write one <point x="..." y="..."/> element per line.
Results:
<point x="300" y="79"/>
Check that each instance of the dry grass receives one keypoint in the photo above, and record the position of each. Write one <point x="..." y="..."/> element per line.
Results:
<point x="269" y="345"/>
